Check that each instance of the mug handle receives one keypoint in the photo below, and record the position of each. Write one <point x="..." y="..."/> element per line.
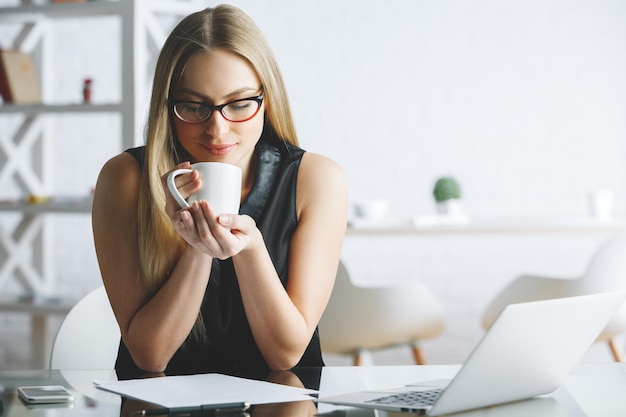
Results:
<point x="172" y="186"/>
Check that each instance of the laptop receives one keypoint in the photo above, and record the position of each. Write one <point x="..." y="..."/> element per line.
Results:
<point x="529" y="350"/>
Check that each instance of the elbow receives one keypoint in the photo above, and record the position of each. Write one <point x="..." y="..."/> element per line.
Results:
<point x="283" y="359"/>
<point x="150" y="365"/>
<point x="148" y="359"/>
<point x="285" y="353"/>
<point x="283" y="363"/>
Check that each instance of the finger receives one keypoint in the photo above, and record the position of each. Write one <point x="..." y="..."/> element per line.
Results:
<point x="236" y="222"/>
<point x="203" y="227"/>
<point x="183" y="181"/>
<point x="184" y="223"/>
<point x="182" y="165"/>
<point x="221" y="235"/>
<point x="242" y="231"/>
<point x="188" y="184"/>
<point x="211" y="215"/>
<point x="187" y="222"/>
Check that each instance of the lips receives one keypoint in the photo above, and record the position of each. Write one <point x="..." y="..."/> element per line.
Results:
<point x="219" y="150"/>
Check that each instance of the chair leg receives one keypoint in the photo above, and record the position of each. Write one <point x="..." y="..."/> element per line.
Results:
<point x="418" y="354"/>
<point x="358" y="357"/>
<point x="618" y="354"/>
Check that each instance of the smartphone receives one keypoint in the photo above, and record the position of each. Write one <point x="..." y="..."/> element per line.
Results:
<point x="45" y="394"/>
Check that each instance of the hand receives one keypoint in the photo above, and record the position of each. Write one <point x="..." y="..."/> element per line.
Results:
<point x="187" y="184"/>
<point x="220" y="236"/>
<point x="200" y="226"/>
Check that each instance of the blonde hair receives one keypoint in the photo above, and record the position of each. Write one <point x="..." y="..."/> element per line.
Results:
<point x="222" y="27"/>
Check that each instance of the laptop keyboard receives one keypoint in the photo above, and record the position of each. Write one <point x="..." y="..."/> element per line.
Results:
<point x="410" y="398"/>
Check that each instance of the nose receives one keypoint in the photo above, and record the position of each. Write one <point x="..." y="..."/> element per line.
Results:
<point x="216" y="125"/>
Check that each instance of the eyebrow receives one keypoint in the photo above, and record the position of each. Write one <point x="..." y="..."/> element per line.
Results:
<point x="230" y="95"/>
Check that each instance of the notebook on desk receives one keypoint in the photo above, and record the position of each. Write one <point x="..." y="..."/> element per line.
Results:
<point x="528" y="351"/>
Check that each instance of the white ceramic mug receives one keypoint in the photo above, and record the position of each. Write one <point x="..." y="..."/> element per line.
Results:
<point x="601" y="204"/>
<point x="221" y="186"/>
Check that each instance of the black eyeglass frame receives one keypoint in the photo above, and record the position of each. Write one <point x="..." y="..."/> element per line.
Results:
<point x="258" y="99"/>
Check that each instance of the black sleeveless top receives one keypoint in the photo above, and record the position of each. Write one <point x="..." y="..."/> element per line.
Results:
<point x="230" y="347"/>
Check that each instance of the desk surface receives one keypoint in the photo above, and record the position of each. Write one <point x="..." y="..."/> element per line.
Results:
<point x="591" y="390"/>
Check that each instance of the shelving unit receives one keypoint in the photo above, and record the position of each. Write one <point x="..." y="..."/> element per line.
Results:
<point x="26" y="157"/>
<point x="25" y="251"/>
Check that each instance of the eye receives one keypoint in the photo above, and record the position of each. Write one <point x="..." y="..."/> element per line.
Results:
<point x="193" y="112"/>
<point x="189" y="107"/>
<point x="239" y="106"/>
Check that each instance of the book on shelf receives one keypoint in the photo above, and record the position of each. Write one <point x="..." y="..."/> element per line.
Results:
<point x="19" y="81"/>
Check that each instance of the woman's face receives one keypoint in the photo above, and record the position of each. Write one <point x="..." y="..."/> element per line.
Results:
<point x="214" y="78"/>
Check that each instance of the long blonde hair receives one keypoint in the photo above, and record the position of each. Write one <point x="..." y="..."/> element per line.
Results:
<point x="223" y="27"/>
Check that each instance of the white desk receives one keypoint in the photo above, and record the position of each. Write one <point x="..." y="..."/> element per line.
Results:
<point x="591" y="390"/>
<point x="594" y="390"/>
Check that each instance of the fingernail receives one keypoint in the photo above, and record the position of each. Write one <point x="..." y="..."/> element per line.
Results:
<point x="223" y="219"/>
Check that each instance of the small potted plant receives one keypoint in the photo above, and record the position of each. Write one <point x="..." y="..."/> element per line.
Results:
<point x="447" y="193"/>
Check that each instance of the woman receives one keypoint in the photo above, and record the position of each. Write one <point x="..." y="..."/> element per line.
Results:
<point x="199" y="291"/>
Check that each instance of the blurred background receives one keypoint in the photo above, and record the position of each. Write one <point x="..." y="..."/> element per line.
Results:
<point x="522" y="101"/>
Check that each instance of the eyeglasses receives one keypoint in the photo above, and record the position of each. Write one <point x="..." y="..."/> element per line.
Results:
<point x="234" y="111"/>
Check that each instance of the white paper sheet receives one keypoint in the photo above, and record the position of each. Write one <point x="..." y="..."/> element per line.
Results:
<point x="203" y="389"/>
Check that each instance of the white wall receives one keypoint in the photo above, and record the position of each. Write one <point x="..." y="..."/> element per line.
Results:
<point x="524" y="101"/>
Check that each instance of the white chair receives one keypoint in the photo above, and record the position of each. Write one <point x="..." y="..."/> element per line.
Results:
<point x="89" y="336"/>
<point x="605" y="272"/>
<point x="360" y="319"/>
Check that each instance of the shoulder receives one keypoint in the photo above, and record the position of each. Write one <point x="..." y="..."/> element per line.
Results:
<point x="319" y="168"/>
<point x="314" y="171"/>
<point x="139" y="153"/>
<point x="120" y="168"/>
<point x="118" y="183"/>
<point x="320" y="178"/>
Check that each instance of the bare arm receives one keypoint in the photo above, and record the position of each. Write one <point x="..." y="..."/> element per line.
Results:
<point x="152" y="328"/>
<point x="283" y="322"/>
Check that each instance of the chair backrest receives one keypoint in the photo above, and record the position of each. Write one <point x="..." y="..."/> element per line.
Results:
<point x="88" y="337"/>
<point x="607" y="269"/>
<point x="375" y="317"/>
<point x="607" y="272"/>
